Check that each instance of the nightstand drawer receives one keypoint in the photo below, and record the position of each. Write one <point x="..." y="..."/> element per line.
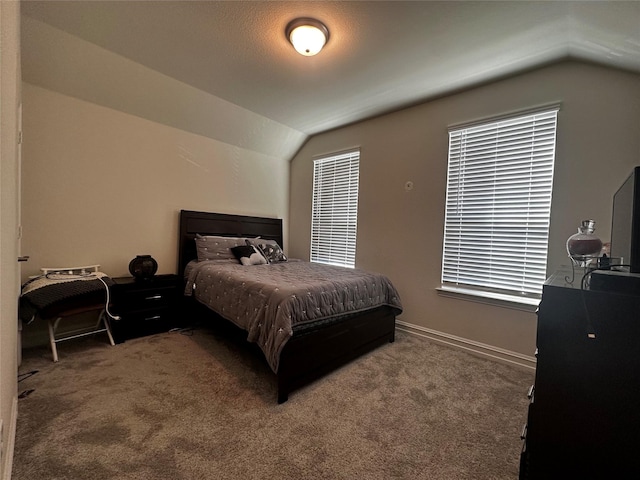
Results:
<point x="147" y="323"/>
<point x="148" y="315"/>
<point x="144" y="306"/>
<point x="145" y="299"/>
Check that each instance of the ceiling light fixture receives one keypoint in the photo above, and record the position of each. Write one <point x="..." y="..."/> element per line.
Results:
<point x="307" y="35"/>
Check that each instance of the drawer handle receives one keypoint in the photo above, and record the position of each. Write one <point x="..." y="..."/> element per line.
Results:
<point x="154" y="297"/>
<point x="155" y="317"/>
<point x="523" y="435"/>
<point x="530" y="392"/>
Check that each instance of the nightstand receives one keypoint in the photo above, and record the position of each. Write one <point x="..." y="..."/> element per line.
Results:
<point x="145" y="307"/>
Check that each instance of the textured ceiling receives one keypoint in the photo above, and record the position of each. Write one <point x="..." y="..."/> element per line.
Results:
<point x="382" y="55"/>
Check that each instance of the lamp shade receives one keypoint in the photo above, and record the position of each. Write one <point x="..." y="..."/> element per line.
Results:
<point x="307" y="35"/>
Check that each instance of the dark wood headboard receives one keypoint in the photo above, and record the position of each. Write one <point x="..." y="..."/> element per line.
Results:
<point x="206" y="223"/>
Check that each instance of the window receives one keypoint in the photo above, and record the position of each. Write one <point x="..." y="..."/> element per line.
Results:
<point x="498" y="204"/>
<point x="334" y="215"/>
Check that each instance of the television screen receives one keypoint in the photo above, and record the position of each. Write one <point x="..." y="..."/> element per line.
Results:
<point x="625" y="226"/>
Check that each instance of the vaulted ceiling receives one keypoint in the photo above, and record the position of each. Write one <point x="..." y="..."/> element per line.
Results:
<point x="381" y="56"/>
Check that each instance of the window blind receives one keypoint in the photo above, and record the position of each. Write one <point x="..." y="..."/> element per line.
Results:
<point x="499" y="185"/>
<point x="335" y="209"/>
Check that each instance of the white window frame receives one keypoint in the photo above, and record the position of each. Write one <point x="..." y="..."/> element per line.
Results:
<point x="334" y="213"/>
<point x="498" y="206"/>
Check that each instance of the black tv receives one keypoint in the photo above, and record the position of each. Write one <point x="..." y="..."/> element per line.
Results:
<point x="625" y="225"/>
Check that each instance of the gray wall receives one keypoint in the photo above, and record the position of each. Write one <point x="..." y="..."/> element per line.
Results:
<point x="400" y="232"/>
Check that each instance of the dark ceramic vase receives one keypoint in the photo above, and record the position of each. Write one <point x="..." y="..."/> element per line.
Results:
<point x="143" y="267"/>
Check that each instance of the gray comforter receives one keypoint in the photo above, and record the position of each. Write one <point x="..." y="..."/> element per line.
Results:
<point x="269" y="300"/>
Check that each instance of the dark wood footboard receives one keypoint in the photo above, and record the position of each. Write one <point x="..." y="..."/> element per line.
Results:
<point x="309" y="356"/>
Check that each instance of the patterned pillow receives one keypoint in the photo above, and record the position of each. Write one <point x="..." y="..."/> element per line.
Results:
<point x="272" y="252"/>
<point x="249" y="255"/>
<point x="216" y="248"/>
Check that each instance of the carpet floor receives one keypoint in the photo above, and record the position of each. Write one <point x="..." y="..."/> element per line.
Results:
<point x="199" y="404"/>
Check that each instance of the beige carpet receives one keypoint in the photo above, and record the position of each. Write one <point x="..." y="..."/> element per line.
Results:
<point x="203" y="406"/>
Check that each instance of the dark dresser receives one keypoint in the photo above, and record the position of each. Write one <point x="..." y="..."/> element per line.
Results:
<point x="584" y="412"/>
<point x="144" y="306"/>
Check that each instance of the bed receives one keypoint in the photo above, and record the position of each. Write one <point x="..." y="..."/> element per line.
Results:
<point x="299" y="346"/>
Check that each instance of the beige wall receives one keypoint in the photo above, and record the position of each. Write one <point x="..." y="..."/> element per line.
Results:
<point x="9" y="243"/>
<point x="113" y="150"/>
<point x="400" y="232"/>
<point x="66" y="64"/>
<point x="102" y="186"/>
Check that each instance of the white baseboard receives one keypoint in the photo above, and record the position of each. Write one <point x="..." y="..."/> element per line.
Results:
<point x="476" y="348"/>
<point x="11" y="441"/>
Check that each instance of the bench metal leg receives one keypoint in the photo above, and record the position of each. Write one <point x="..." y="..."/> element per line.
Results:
<point x="53" y="326"/>
<point x="107" y="325"/>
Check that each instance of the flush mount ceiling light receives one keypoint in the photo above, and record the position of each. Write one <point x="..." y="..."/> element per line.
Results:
<point x="307" y="35"/>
